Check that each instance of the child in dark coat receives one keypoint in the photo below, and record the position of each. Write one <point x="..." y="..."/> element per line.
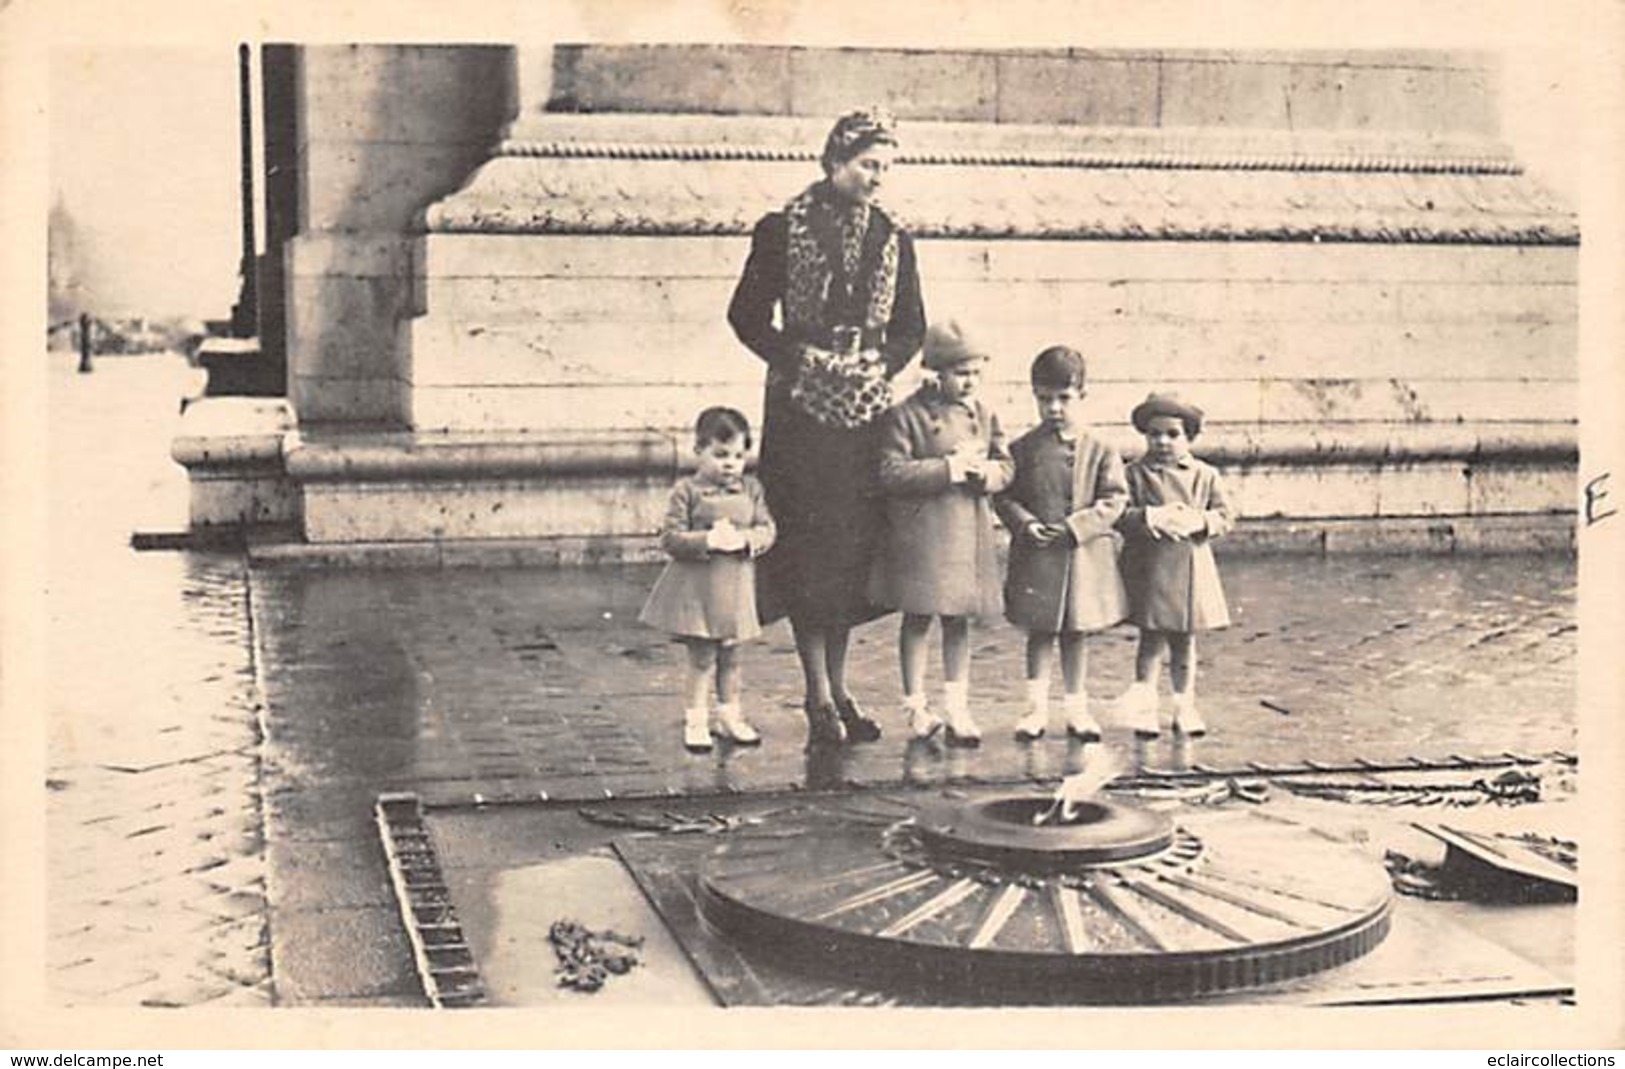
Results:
<point x="1063" y="582"/>
<point x="1177" y="506"/>
<point x="942" y="455"/>
<point x="717" y="524"/>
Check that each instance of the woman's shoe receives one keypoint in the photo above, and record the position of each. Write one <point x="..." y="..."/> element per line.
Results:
<point x="859" y="727"/>
<point x="731" y="724"/>
<point x="824" y="726"/>
<point x="696" y="731"/>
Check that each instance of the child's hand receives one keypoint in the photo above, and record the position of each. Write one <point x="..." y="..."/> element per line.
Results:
<point x="1160" y="521"/>
<point x="1184" y="521"/>
<point x="725" y="538"/>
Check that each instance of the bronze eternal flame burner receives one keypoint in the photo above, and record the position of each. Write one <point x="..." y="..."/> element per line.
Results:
<point x="1122" y="904"/>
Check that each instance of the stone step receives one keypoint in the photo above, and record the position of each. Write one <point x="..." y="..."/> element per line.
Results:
<point x="1468" y="535"/>
<point x="401" y="487"/>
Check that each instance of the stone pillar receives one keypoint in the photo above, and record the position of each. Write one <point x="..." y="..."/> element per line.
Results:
<point x="383" y="131"/>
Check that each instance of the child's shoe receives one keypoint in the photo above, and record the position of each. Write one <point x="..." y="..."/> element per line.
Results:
<point x="1137" y="709"/>
<point x="1187" y="720"/>
<point x="922" y="722"/>
<point x="731" y="724"/>
<point x="696" y="730"/>
<point x="962" y="730"/>
<point x="1078" y="721"/>
<point x="1036" y="722"/>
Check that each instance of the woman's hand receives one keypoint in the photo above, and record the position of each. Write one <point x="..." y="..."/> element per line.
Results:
<point x="1045" y="535"/>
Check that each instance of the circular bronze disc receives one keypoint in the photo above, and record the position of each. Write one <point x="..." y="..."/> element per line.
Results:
<point x="1217" y="901"/>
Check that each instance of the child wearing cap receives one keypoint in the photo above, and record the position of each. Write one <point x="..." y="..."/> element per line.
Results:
<point x="1061" y="509"/>
<point x="1176" y="508"/>
<point x="717" y="524"/>
<point x="942" y="455"/>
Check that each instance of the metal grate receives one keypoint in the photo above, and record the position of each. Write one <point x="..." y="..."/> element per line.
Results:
<point x="445" y="963"/>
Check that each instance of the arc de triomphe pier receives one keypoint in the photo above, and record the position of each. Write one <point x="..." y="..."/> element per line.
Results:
<point x="508" y="270"/>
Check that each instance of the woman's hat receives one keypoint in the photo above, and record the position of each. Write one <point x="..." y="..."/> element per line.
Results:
<point x="856" y="131"/>
<point x="1166" y="404"/>
<point x="947" y="346"/>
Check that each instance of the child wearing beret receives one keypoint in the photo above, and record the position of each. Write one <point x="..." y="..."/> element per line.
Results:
<point x="942" y="456"/>
<point x="1176" y="508"/>
<point x="1061" y="509"/>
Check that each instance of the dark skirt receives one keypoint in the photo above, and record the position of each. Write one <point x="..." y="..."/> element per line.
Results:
<point x="821" y="487"/>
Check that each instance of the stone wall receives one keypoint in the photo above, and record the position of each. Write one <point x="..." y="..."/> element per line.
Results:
<point x="1394" y="90"/>
<point x="1330" y="252"/>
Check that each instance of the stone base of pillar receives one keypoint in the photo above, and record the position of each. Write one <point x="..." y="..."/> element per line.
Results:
<point x="232" y="449"/>
<point x="589" y="495"/>
<point x="1541" y="533"/>
<point x="411" y="487"/>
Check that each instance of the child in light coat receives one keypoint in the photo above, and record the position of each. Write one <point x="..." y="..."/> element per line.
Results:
<point x="717" y="524"/>
<point x="942" y="456"/>
<point x="1177" y="506"/>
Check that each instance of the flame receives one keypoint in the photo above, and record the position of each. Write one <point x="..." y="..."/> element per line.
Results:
<point x="1100" y="767"/>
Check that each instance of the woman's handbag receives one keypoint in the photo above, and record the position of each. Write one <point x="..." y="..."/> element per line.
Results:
<point x="842" y="389"/>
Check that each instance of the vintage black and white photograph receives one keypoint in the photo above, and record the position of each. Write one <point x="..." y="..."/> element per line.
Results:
<point x="586" y="519"/>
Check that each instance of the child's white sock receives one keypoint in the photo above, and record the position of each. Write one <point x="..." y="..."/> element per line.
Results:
<point x="1137" y="708"/>
<point x="956" y="704"/>
<point x="1187" y="719"/>
<point x="1078" y="720"/>
<point x="1036" y="721"/>
<point x="922" y="723"/>
<point x="735" y="726"/>
<point x="697" y="729"/>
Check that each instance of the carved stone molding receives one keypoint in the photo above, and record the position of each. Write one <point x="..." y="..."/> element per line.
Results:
<point x="1481" y="164"/>
<point x="586" y="190"/>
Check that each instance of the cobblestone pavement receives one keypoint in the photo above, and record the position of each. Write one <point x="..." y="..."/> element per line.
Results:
<point x="154" y="847"/>
<point x="470" y="685"/>
<point x="486" y="685"/>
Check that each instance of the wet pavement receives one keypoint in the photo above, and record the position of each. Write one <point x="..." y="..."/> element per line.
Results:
<point x="218" y="734"/>
<point x="154" y="846"/>
<point x="475" y="686"/>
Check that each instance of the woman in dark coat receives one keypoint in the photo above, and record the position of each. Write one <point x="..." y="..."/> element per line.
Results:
<point x="838" y="270"/>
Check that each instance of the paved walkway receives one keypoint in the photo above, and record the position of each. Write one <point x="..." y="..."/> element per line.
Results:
<point x="481" y="686"/>
<point x="155" y="870"/>
<point x="493" y="685"/>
